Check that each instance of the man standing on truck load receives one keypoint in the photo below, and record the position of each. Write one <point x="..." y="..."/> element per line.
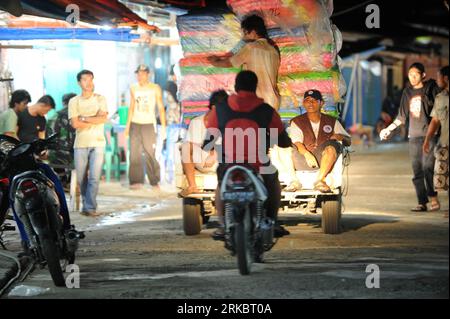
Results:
<point x="261" y="56"/>
<point x="257" y="55"/>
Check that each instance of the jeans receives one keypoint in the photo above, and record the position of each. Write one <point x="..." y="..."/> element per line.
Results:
<point x="423" y="169"/>
<point x="63" y="210"/>
<point x="143" y="139"/>
<point x="88" y="164"/>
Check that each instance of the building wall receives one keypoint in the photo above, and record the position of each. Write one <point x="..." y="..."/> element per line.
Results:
<point x="51" y="67"/>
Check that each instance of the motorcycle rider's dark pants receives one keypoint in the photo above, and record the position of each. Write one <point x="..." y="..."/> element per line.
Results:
<point x="272" y="184"/>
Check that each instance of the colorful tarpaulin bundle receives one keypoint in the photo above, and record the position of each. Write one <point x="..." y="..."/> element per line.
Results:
<point x="202" y="36"/>
<point x="302" y="31"/>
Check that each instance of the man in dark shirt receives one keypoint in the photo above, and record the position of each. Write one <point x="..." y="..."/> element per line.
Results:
<point x="32" y="120"/>
<point x="416" y="105"/>
<point x="31" y="126"/>
<point x="66" y="134"/>
<point x="62" y="156"/>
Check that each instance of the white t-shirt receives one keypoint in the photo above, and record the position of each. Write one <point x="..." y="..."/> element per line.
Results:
<point x="145" y="98"/>
<point x="296" y="133"/>
<point x="94" y="135"/>
<point x="197" y="130"/>
<point x="196" y="135"/>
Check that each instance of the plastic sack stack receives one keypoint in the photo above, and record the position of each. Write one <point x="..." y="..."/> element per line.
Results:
<point x="202" y="36"/>
<point x="302" y="31"/>
<point x="308" y="46"/>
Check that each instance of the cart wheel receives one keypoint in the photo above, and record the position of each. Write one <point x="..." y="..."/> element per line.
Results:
<point x="331" y="216"/>
<point x="192" y="218"/>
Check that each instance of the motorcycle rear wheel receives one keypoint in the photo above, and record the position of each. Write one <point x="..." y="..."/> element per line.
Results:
<point x="244" y="251"/>
<point x="50" y="252"/>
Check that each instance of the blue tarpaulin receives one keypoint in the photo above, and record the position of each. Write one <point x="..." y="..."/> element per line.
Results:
<point x="120" y="35"/>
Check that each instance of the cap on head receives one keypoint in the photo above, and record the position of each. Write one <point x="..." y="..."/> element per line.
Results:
<point x="315" y="94"/>
<point x="143" y="68"/>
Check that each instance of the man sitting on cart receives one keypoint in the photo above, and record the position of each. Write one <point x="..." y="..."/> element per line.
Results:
<point x="193" y="157"/>
<point x="319" y="139"/>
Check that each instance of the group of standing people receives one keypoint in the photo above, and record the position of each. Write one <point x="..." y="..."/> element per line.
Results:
<point x="314" y="136"/>
<point x="86" y="114"/>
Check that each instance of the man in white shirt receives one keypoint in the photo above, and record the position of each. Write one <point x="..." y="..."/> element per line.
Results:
<point x="193" y="157"/>
<point x="88" y="114"/>
<point x="257" y="55"/>
<point x="439" y="119"/>
<point x="317" y="137"/>
<point x="141" y="126"/>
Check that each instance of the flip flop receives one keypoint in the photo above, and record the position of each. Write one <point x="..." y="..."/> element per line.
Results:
<point x="322" y="187"/>
<point x="218" y="234"/>
<point x="419" y="208"/>
<point x="293" y="187"/>
<point x="188" y="191"/>
<point x="434" y="207"/>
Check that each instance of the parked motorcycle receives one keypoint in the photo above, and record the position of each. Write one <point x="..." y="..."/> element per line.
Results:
<point x="37" y="205"/>
<point x="4" y="209"/>
<point x="248" y="231"/>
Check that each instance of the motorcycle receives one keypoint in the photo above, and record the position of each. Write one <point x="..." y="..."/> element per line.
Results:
<point x="249" y="232"/>
<point x="4" y="209"/>
<point x="36" y="204"/>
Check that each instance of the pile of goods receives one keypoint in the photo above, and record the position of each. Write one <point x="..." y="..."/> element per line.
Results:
<point x="301" y="29"/>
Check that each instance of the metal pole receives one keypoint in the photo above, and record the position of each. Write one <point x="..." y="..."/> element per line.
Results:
<point x="360" y="96"/>
<point x="350" y="87"/>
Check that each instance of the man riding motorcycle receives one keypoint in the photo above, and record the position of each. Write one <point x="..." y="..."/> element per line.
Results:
<point x="246" y="113"/>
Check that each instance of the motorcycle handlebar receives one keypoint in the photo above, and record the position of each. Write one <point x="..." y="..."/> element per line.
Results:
<point x="41" y="145"/>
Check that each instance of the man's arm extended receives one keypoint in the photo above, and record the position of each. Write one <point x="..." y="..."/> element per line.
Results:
<point x="220" y="62"/>
<point x="161" y="109"/>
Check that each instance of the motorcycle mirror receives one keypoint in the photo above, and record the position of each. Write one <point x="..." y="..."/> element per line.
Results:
<point x="52" y="137"/>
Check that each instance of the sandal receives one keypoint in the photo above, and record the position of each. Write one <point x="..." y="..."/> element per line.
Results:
<point x="419" y="208"/>
<point x="322" y="187"/>
<point x="436" y="206"/>
<point x="188" y="191"/>
<point x="293" y="187"/>
<point x="218" y="234"/>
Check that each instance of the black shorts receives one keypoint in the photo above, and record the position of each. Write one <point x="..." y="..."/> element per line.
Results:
<point x="300" y="161"/>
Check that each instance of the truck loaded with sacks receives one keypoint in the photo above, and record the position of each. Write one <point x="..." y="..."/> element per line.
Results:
<point x="308" y="44"/>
